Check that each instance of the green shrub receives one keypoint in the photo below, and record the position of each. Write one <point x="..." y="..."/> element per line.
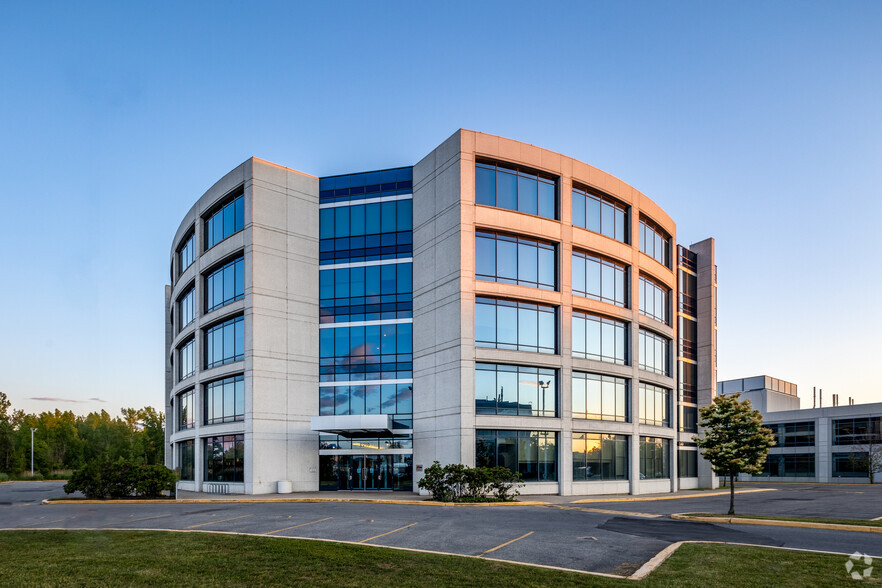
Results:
<point x="460" y="483"/>
<point x="121" y="479"/>
<point x="4" y="477"/>
<point x="153" y="480"/>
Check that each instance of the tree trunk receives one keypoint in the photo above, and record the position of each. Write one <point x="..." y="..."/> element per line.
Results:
<point x="731" y="493"/>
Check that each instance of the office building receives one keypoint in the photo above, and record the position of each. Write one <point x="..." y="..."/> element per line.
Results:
<point x="494" y="304"/>
<point x="821" y="444"/>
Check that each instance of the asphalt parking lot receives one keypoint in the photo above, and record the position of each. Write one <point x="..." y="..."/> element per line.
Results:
<point x="608" y="537"/>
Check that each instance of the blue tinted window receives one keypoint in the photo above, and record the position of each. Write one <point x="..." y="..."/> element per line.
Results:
<point x="187" y="308"/>
<point x="507" y="324"/>
<point x="599" y="213"/>
<point x="225" y="400"/>
<point x="366" y="293"/>
<point x="366" y="232"/>
<point x="515" y="189"/>
<point x="187" y="360"/>
<point x="225" y="285"/>
<point x="225" y="343"/>
<point x="390" y="182"/>
<point x="372" y="352"/>
<point x="515" y="260"/>
<point x="187" y="253"/>
<point x="394" y="399"/>
<point x="485" y="185"/>
<point x="228" y="220"/>
<point x="654" y="242"/>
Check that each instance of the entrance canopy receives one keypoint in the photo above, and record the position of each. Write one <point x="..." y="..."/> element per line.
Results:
<point x="354" y="425"/>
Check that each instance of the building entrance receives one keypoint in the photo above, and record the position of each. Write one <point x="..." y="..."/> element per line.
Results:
<point x="366" y="472"/>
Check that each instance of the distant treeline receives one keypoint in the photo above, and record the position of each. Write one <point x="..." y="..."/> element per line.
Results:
<point x="65" y="441"/>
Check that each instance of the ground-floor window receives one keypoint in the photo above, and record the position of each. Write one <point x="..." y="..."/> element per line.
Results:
<point x="186" y="458"/>
<point x="532" y="453"/>
<point x="851" y="465"/>
<point x="600" y="457"/>
<point x="366" y="472"/>
<point x="655" y="458"/>
<point x="225" y="459"/>
<point x="687" y="463"/>
<point x="789" y="465"/>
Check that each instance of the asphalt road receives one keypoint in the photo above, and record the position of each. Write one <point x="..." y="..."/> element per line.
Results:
<point x="612" y="537"/>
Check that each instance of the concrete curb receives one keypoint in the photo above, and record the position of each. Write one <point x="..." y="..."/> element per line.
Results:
<point x="666" y="497"/>
<point x="657" y="560"/>
<point x="778" y="523"/>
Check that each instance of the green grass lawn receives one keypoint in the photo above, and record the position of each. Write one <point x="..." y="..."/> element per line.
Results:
<point x="141" y="558"/>
<point x="861" y="522"/>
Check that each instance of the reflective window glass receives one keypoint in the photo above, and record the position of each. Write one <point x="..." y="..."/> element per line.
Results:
<point x="654" y="242"/>
<point x="225" y="342"/>
<point x="654" y="352"/>
<point x="655" y="458"/>
<point x="508" y="324"/>
<point x="599" y="457"/>
<point x="600" y="213"/>
<point x="600" y="279"/>
<point x="513" y="188"/>
<point x="532" y="453"/>
<point x="600" y="338"/>
<point x="515" y="390"/>
<point x="600" y="397"/>
<point x="655" y="405"/>
<point x="226" y="221"/>
<point x="224" y="400"/>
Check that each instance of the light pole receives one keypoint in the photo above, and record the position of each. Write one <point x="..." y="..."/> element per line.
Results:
<point x="32" y="450"/>
<point x="544" y="386"/>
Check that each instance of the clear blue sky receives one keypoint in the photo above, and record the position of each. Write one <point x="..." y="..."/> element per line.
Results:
<point x="756" y="123"/>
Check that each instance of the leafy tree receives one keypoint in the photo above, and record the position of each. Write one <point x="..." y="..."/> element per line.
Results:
<point x="734" y="440"/>
<point x="65" y="441"/>
<point x="7" y="434"/>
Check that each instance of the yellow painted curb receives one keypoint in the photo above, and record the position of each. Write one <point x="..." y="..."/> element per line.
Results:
<point x="111" y="501"/>
<point x="277" y="500"/>
<point x="780" y="523"/>
<point x="652" y="498"/>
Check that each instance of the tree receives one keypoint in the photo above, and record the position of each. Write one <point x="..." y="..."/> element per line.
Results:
<point x="867" y="456"/>
<point x="734" y="440"/>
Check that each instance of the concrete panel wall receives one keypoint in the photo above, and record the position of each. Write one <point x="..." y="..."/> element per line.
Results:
<point x="442" y="416"/>
<point x="283" y="307"/>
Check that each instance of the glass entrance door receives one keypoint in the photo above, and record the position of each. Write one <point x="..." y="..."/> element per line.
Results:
<point x="366" y="472"/>
<point x="369" y="472"/>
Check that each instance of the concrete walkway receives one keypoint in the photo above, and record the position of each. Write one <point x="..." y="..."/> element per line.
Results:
<point x="412" y="498"/>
